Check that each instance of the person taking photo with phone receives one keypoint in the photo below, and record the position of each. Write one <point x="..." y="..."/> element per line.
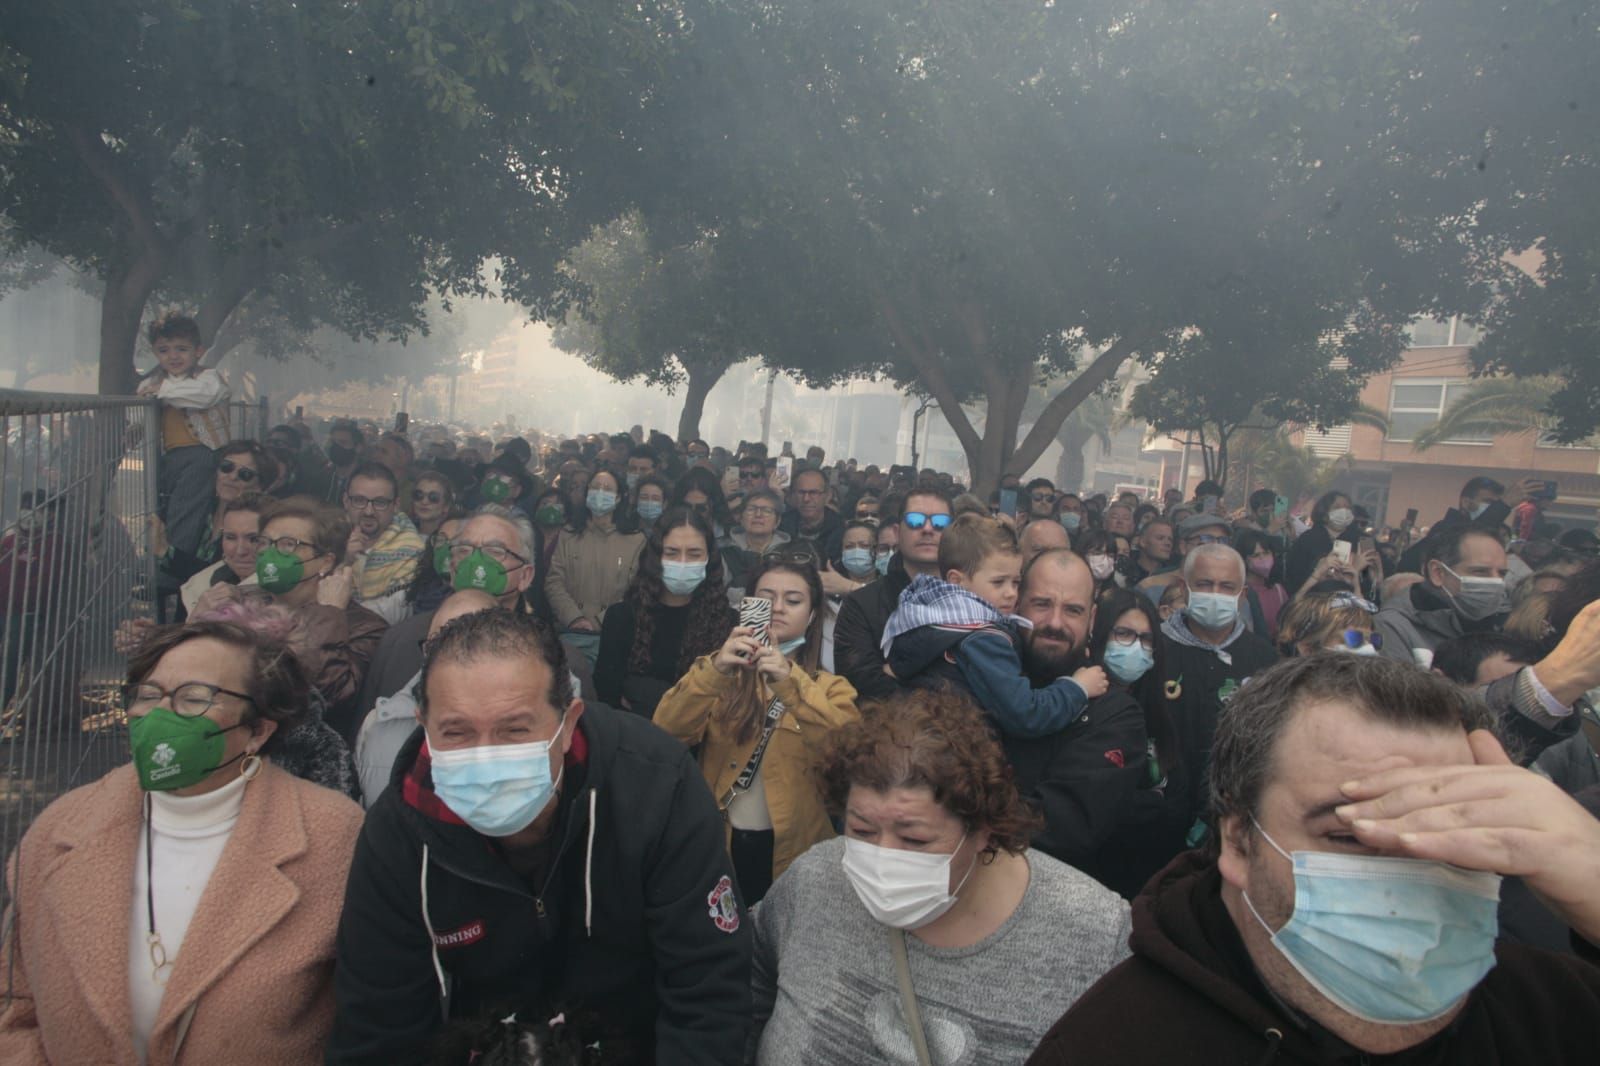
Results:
<point x="758" y="709"/>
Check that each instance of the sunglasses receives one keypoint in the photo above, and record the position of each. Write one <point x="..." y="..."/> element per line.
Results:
<point x="245" y="474"/>
<point x="1354" y="638"/>
<point x="916" y="520"/>
<point x="420" y="495"/>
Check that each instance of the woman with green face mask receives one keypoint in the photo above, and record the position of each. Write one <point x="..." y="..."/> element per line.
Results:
<point x="195" y="876"/>
<point x="301" y="564"/>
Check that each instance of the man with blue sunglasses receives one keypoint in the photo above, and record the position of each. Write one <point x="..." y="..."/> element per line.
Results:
<point x="859" y="630"/>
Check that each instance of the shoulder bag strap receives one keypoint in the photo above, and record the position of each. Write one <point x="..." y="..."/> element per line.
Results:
<point x="908" y="996"/>
<point x="747" y="776"/>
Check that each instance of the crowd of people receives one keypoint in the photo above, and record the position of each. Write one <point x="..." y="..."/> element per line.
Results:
<point x="620" y="749"/>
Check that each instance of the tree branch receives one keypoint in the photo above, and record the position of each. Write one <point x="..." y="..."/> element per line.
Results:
<point x="933" y="376"/>
<point x="1066" y="401"/>
<point x="101" y="163"/>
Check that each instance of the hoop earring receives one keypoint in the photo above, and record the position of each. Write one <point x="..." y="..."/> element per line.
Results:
<point x="250" y="766"/>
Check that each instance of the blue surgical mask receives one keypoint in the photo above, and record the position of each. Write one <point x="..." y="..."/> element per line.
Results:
<point x="1127" y="662"/>
<point x="857" y="561"/>
<point x="650" y="510"/>
<point x="681" y="579"/>
<point x="1070" y="521"/>
<point x="789" y="647"/>
<point x="1389" y="940"/>
<point x="497" y="789"/>
<point x="1213" y="610"/>
<point x="881" y="563"/>
<point x="602" y="501"/>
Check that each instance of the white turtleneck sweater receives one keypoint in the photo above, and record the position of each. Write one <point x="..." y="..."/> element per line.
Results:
<point x="188" y="835"/>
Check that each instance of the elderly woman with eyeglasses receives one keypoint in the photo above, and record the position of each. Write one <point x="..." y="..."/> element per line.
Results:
<point x="758" y="534"/>
<point x="302" y="564"/>
<point x="182" y="909"/>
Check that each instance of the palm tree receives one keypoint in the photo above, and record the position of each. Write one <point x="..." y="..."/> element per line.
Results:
<point x="1491" y="407"/>
<point x="1094" y="419"/>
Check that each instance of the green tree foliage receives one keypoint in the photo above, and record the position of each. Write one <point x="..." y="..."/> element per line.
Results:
<point x="344" y="159"/>
<point x="973" y="198"/>
<point x="651" y="314"/>
<point x="1509" y="107"/>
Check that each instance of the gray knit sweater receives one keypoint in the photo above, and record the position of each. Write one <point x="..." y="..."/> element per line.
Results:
<point x="825" y="990"/>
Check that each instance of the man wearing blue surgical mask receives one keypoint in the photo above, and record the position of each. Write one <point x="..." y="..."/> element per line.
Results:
<point x="1208" y="653"/>
<point x="1463" y="591"/>
<point x="1346" y="910"/>
<point x="530" y="850"/>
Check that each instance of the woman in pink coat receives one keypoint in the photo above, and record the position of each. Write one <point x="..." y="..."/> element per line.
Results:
<point x="182" y="909"/>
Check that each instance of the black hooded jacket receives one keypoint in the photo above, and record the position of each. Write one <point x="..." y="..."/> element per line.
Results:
<point x="1190" y="994"/>
<point x="636" y="916"/>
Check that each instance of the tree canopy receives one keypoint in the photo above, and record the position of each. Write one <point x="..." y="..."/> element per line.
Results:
<point x="340" y="159"/>
<point x="652" y="314"/>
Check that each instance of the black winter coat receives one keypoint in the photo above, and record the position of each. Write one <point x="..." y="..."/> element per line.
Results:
<point x="638" y="917"/>
<point x="858" y="631"/>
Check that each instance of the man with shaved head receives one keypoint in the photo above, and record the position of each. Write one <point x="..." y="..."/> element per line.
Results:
<point x="1041" y="536"/>
<point x="1084" y="778"/>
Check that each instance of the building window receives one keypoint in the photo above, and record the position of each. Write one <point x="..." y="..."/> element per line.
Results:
<point x="1416" y="403"/>
<point x="1443" y="332"/>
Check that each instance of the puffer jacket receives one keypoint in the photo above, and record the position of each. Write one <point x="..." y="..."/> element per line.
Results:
<point x="590" y="571"/>
<point x="812" y="707"/>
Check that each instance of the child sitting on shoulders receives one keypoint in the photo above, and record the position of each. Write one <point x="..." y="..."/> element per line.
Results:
<point x="958" y="629"/>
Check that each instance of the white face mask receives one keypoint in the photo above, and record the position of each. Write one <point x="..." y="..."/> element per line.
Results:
<point x="1340" y="517"/>
<point x="902" y="889"/>
<point x="1101" y="566"/>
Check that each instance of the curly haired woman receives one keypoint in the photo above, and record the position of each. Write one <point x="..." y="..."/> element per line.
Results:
<point x="675" y="610"/>
<point x="935" y="853"/>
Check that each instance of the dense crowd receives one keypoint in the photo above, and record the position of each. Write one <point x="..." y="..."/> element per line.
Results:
<point x="463" y="748"/>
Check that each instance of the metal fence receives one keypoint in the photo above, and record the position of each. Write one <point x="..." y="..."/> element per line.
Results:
<point x="77" y="486"/>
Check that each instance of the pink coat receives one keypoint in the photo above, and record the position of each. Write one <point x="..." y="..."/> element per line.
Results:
<point x="254" y="981"/>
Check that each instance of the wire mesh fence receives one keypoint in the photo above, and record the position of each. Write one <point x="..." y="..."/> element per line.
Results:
<point x="77" y="487"/>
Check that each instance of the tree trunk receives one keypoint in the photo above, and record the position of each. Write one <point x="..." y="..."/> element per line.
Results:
<point x="127" y="290"/>
<point x="1070" y="468"/>
<point x="701" y="381"/>
<point x="1097" y="373"/>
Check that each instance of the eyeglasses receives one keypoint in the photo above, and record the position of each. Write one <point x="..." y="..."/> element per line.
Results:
<point x="1044" y="497"/>
<point x="1124" y="635"/>
<point x="289" y="545"/>
<point x="917" y="519"/>
<point x="376" y="503"/>
<point x="750" y="476"/>
<point x="244" y="473"/>
<point x="794" y="558"/>
<point x="1354" y="638"/>
<point x="755" y="510"/>
<point x="189" y="700"/>
<point x="460" y="549"/>
<point x="421" y="495"/>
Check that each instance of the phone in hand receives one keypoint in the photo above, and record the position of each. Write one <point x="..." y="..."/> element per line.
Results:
<point x="1008" y="501"/>
<point x="1341" y="552"/>
<point x="1280" y="506"/>
<point x="755" y="614"/>
<point x="1547" y="491"/>
<point x="1410" y="520"/>
<point x="402" y="422"/>
<point x="785" y="472"/>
